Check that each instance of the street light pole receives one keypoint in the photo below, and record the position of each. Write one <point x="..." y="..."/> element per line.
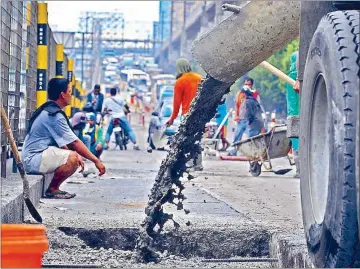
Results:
<point x="82" y="57"/>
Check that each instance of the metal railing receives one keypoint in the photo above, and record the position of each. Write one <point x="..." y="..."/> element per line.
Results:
<point x="19" y="63"/>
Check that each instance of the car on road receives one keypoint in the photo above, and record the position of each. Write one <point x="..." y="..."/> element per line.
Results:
<point x="160" y="80"/>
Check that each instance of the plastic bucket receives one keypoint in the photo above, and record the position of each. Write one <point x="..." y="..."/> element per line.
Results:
<point x="22" y="245"/>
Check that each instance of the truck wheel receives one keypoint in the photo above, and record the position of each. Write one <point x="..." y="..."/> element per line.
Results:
<point x="357" y="153"/>
<point x="329" y="102"/>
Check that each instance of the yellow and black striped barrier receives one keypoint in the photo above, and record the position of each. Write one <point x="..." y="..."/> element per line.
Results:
<point x="70" y="77"/>
<point x="42" y="54"/>
<point x="59" y="61"/>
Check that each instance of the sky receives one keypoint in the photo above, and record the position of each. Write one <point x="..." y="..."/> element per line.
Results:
<point x="63" y="15"/>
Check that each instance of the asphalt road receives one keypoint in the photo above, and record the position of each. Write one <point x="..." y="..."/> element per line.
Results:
<point x="223" y="195"/>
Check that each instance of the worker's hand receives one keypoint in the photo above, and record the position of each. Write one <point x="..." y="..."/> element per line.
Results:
<point x="93" y="102"/>
<point x="169" y="122"/>
<point x="297" y="86"/>
<point x="98" y="147"/>
<point x="100" y="166"/>
<point x="80" y="163"/>
<point x="236" y="119"/>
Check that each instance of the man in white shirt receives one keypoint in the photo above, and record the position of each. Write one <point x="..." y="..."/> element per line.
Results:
<point x="115" y="105"/>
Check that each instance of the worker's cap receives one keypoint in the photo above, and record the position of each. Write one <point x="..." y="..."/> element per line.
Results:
<point x="97" y="87"/>
<point x="90" y="116"/>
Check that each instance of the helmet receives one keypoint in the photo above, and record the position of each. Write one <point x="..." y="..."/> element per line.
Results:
<point x="79" y="117"/>
<point x="90" y="116"/>
<point x="166" y="111"/>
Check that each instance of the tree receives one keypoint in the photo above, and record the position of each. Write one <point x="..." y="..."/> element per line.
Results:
<point x="272" y="89"/>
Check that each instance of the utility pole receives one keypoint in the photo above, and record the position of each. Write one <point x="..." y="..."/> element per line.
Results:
<point x="82" y="57"/>
<point x="162" y="27"/>
<point x="170" y="49"/>
<point x="183" y="33"/>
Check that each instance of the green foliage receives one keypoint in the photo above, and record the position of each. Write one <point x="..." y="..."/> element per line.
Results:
<point x="272" y="89"/>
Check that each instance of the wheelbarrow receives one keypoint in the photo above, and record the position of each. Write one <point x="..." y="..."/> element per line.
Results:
<point x="261" y="149"/>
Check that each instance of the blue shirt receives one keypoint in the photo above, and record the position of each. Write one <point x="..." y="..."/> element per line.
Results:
<point x="46" y="131"/>
<point x="222" y="110"/>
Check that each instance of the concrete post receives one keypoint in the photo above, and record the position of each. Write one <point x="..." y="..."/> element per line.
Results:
<point x="59" y="60"/>
<point x="42" y="54"/>
<point x="70" y="78"/>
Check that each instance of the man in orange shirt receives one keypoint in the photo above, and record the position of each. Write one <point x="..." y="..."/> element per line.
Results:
<point x="185" y="89"/>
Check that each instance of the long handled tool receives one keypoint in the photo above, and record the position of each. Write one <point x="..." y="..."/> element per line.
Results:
<point x="34" y="213"/>
<point x="280" y="74"/>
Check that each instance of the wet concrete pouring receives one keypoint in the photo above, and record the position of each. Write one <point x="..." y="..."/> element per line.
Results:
<point x="104" y="225"/>
<point x="186" y="145"/>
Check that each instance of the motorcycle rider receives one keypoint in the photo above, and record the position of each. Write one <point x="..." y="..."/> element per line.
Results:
<point x="115" y="104"/>
<point x="95" y="100"/>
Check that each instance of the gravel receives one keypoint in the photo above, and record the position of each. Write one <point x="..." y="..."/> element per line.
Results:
<point x="64" y="249"/>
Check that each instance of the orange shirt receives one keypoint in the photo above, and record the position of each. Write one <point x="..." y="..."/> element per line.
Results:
<point x="240" y="98"/>
<point x="184" y="92"/>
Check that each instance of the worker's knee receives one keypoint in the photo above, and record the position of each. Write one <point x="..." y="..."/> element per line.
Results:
<point x="73" y="160"/>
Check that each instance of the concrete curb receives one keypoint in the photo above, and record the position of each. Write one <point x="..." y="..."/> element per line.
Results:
<point x="290" y="250"/>
<point x="13" y="209"/>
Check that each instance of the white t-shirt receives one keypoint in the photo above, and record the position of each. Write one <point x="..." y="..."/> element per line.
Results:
<point x="115" y="104"/>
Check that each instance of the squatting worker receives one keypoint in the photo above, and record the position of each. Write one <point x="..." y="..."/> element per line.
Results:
<point x="185" y="89"/>
<point x="51" y="147"/>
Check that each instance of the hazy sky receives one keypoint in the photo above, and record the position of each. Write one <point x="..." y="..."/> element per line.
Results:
<point x="64" y="14"/>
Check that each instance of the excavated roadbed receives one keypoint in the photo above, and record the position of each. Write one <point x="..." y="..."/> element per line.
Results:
<point x="187" y="248"/>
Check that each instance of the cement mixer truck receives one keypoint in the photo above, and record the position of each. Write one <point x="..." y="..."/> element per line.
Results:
<point x="329" y="70"/>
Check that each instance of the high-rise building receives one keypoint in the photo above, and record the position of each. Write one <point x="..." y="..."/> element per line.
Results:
<point x="178" y="16"/>
<point x="163" y="29"/>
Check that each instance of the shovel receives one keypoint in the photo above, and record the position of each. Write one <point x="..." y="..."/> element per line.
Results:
<point x="34" y="213"/>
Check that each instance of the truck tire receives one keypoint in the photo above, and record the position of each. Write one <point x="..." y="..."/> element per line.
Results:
<point x="357" y="158"/>
<point x="328" y="118"/>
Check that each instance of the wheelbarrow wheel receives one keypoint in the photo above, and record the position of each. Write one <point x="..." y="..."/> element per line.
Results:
<point x="255" y="169"/>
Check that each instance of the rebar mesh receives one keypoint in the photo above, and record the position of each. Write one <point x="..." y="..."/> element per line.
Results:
<point x="16" y="21"/>
<point x="5" y="62"/>
<point x="5" y="59"/>
<point x="18" y="68"/>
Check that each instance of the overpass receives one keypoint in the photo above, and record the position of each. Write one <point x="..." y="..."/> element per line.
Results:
<point x="202" y="19"/>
